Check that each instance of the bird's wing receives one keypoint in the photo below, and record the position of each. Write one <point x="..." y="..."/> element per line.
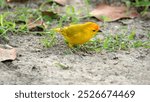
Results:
<point x="74" y="30"/>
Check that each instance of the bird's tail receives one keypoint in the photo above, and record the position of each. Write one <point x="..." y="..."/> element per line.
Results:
<point x="60" y="30"/>
<point x="57" y="29"/>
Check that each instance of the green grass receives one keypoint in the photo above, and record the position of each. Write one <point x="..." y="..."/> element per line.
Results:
<point x="2" y="3"/>
<point x="139" y="3"/>
<point x="115" y="42"/>
<point x="6" y="26"/>
<point x="50" y="39"/>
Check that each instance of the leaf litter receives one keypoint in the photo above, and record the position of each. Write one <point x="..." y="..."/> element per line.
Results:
<point x="105" y="12"/>
<point x="7" y="53"/>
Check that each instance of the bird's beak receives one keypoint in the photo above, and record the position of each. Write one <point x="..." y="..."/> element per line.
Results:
<point x="99" y="31"/>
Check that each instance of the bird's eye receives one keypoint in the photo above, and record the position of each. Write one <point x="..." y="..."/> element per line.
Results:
<point x="93" y="30"/>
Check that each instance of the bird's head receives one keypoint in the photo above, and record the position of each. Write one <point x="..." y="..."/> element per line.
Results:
<point x="93" y="27"/>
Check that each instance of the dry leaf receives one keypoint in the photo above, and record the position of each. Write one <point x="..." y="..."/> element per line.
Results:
<point x="62" y="2"/>
<point x="7" y="53"/>
<point x="74" y="3"/>
<point x="36" y="25"/>
<point x="111" y="13"/>
<point x="50" y="14"/>
<point x="47" y="10"/>
<point x="16" y="0"/>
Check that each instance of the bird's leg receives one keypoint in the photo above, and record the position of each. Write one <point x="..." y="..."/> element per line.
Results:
<point x="73" y="48"/>
<point x="70" y="45"/>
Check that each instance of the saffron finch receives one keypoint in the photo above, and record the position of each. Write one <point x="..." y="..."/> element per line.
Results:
<point x="77" y="34"/>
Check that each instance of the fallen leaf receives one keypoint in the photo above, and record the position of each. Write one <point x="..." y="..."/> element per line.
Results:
<point x="7" y="53"/>
<point x="36" y="25"/>
<point x="63" y="66"/>
<point x="105" y="12"/>
<point x="62" y="2"/>
<point x="16" y="1"/>
<point x="47" y="9"/>
<point x="50" y="14"/>
<point x="74" y="3"/>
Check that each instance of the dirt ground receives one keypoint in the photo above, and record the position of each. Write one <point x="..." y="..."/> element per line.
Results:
<point x="38" y="65"/>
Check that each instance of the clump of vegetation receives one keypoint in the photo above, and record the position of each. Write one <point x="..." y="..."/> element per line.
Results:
<point x="8" y="23"/>
<point x="2" y="3"/>
<point x="114" y="42"/>
<point x="6" y="26"/>
<point x="123" y="42"/>
<point x="142" y="5"/>
<point x="50" y="39"/>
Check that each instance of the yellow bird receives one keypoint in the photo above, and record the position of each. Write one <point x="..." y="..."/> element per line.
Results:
<point x="78" y="34"/>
